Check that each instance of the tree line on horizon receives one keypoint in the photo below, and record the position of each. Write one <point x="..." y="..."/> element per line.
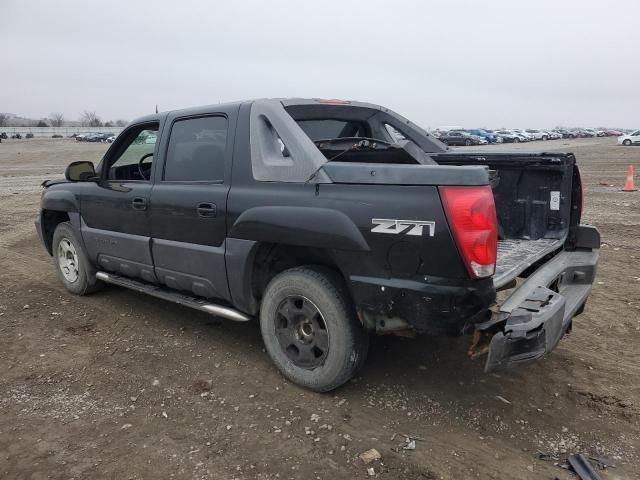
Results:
<point x="57" y="119"/>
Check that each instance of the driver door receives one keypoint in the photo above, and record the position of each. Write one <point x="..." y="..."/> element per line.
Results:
<point x="115" y="211"/>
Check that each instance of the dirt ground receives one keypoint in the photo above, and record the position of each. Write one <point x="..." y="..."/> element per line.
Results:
<point x="123" y="386"/>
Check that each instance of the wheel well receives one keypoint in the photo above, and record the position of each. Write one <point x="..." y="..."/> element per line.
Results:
<point x="50" y="220"/>
<point x="272" y="259"/>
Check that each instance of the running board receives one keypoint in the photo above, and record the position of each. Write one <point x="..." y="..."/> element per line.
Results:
<point x="180" y="299"/>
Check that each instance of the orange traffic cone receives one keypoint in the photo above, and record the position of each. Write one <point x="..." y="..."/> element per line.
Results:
<point x="628" y="186"/>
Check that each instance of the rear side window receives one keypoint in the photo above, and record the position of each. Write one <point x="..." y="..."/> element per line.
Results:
<point x="196" y="150"/>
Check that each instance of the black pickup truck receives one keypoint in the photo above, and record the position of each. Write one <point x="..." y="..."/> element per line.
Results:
<point x="329" y="220"/>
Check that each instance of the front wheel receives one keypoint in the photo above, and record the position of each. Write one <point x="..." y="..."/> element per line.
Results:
<point x="71" y="262"/>
<point x="310" y="328"/>
<point x="627" y="143"/>
<point x="516" y="140"/>
<point x="468" y="142"/>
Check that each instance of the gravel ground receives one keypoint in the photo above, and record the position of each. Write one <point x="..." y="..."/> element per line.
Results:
<point x="120" y="385"/>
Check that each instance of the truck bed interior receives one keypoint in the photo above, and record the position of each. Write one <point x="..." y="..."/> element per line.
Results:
<point x="533" y="204"/>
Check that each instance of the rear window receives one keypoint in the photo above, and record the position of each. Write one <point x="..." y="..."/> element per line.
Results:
<point x="328" y="128"/>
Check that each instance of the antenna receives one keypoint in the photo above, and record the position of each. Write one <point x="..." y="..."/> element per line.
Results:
<point x="156" y="108"/>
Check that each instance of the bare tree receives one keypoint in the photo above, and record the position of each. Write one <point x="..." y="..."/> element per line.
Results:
<point x="57" y="119"/>
<point x="121" y="123"/>
<point x="4" y="120"/>
<point x="90" y="119"/>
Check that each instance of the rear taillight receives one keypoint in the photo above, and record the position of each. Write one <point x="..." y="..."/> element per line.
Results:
<point x="471" y="212"/>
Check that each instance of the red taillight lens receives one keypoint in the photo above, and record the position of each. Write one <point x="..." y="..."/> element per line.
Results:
<point x="471" y="212"/>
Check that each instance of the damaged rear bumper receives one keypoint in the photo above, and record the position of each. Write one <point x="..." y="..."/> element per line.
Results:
<point x="539" y="312"/>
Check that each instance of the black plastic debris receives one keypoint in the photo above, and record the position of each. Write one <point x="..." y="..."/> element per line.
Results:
<point x="581" y="466"/>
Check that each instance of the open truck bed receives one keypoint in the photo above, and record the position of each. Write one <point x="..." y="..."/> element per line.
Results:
<point x="534" y="205"/>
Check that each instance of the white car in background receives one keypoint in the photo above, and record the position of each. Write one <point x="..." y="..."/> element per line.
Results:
<point x="525" y="136"/>
<point x="629" y="139"/>
<point x="537" y="134"/>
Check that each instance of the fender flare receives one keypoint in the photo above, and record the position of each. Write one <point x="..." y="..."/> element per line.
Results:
<point x="60" y="200"/>
<point x="300" y="226"/>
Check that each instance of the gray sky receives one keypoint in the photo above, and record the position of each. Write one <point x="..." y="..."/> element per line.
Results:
<point x="473" y="63"/>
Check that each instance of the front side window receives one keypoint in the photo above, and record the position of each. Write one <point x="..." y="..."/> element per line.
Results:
<point x="196" y="150"/>
<point x="636" y="133"/>
<point x="134" y="157"/>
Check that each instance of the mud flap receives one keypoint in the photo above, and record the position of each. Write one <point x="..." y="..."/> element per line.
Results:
<point x="531" y="330"/>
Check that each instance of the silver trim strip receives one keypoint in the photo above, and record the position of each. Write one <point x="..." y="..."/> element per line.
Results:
<point x="210" y="308"/>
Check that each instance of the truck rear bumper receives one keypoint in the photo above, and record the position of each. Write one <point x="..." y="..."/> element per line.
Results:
<point x="540" y="311"/>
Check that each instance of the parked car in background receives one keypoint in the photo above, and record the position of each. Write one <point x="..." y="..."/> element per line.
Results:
<point x="95" y="137"/>
<point x="526" y="136"/>
<point x="537" y="134"/>
<point x="508" y="136"/>
<point x="614" y="133"/>
<point x="111" y="139"/>
<point x="56" y="135"/>
<point x="632" y="138"/>
<point x="489" y="137"/>
<point x="553" y="135"/>
<point x="460" y="137"/>
<point x="29" y="135"/>
<point x="16" y="136"/>
<point x="102" y="137"/>
<point x="4" y="135"/>
<point x="563" y="132"/>
<point x="587" y="132"/>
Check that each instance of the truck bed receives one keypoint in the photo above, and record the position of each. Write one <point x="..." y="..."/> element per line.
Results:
<point x="515" y="256"/>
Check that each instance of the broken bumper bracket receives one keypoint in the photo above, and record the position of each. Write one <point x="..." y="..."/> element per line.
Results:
<point x="536" y="317"/>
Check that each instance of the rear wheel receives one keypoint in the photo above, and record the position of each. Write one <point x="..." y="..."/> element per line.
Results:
<point x="310" y="328"/>
<point x="627" y="143"/>
<point x="72" y="264"/>
<point x="516" y="140"/>
<point x="468" y="142"/>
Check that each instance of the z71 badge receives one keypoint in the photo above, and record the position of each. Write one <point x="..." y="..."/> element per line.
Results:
<point x="408" y="227"/>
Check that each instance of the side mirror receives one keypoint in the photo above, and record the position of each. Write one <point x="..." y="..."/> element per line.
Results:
<point x="80" y="172"/>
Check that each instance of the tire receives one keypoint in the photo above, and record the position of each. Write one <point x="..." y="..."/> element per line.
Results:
<point x="317" y="358"/>
<point x="468" y="142"/>
<point x="626" y="143"/>
<point x="545" y="138"/>
<point x="516" y="140"/>
<point x="77" y="274"/>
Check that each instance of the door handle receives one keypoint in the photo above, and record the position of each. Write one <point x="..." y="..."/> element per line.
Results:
<point x="206" y="210"/>
<point x="139" y="203"/>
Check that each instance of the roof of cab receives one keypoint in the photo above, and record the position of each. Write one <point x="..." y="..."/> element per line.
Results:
<point x="287" y="102"/>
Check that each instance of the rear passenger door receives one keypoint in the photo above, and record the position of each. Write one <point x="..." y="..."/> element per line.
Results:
<point x="188" y="204"/>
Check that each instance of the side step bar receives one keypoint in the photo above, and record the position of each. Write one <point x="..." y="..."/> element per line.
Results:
<point x="180" y="299"/>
